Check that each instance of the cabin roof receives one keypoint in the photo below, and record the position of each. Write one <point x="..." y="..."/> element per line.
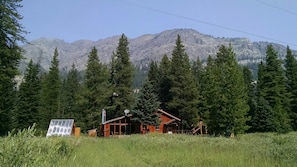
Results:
<point x="159" y="110"/>
<point x="170" y="121"/>
<point x="116" y="119"/>
<point x="166" y="113"/>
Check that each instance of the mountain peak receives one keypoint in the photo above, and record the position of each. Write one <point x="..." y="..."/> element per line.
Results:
<point x="48" y="40"/>
<point x="145" y="48"/>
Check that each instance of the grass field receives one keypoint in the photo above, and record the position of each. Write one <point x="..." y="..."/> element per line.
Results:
<point x="183" y="150"/>
<point x="264" y="150"/>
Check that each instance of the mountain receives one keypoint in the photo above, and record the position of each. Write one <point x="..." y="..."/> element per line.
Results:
<point x="144" y="48"/>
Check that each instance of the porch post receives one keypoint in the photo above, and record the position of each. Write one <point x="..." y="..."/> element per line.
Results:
<point x="114" y="128"/>
<point x="120" y="128"/>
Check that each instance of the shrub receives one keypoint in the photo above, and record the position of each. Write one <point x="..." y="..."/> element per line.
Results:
<point x="22" y="148"/>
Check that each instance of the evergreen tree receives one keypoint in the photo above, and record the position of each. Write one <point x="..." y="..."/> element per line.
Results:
<point x="230" y="114"/>
<point x="260" y="81"/>
<point x="251" y="91"/>
<point x="122" y="78"/>
<point x="96" y="92"/>
<point x="183" y="91"/>
<point x="11" y="32"/>
<point x="235" y="93"/>
<point x="209" y="102"/>
<point x="272" y="88"/>
<point x="28" y="98"/>
<point x="291" y="75"/>
<point x="154" y="76"/>
<point x="165" y="85"/>
<point x="70" y="90"/>
<point x="50" y="95"/>
<point x="248" y="80"/>
<point x="262" y="120"/>
<point x="145" y="110"/>
<point x="198" y="71"/>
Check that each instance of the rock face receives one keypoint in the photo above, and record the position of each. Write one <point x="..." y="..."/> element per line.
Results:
<point x="145" y="48"/>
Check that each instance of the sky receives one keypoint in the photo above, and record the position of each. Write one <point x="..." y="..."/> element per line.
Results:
<point x="71" y="20"/>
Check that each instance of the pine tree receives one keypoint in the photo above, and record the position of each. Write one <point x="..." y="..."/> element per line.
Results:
<point x="260" y="81"/>
<point x="273" y="89"/>
<point x="11" y="33"/>
<point x="154" y="76"/>
<point x="198" y="71"/>
<point x="209" y="102"/>
<point x="96" y="91"/>
<point x="70" y="90"/>
<point x="291" y="75"/>
<point x="183" y="91"/>
<point x="248" y="80"/>
<point x="145" y="110"/>
<point x="251" y="91"/>
<point x="262" y="120"/>
<point x="229" y="114"/>
<point x="50" y="95"/>
<point x="28" y="98"/>
<point x="235" y="93"/>
<point x="165" y="85"/>
<point x="122" y="78"/>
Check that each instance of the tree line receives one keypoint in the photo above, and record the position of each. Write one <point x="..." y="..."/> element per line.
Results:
<point x="45" y="96"/>
<point x="220" y="92"/>
<point x="224" y="94"/>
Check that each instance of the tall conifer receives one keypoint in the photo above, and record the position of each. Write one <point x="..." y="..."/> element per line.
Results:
<point x="29" y="98"/>
<point x="291" y="75"/>
<point x="11" y="33"/>
<point x="262" y="118"/>
<point x="70" y="90"/>
<point x="209" y="101"/>
<point x="122" y="78"/>
<point x="50" y="93"/>
<point x="228" y="114"/>
<point x="154" y="76"/>
<point x="96" y="91"/>
<point x="272" y="88"/>
<point x="251" y="91"/>
<point x="165" y="85"/>
<point x="183" y="91"/>
<point x="198" y="71"/>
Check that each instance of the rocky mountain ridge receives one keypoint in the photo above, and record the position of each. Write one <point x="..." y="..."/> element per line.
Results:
<point x="144" y="48"/>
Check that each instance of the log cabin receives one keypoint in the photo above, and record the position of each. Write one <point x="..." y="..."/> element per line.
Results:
<point x="124" y="125"/>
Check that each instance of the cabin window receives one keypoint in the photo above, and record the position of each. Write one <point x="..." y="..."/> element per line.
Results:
<point x="157" y="128"/>
<point x="144" y="127"/>
<point x="111" y="129"/>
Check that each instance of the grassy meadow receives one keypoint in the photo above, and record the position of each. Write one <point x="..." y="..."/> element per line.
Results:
<point x="264" y="150"/>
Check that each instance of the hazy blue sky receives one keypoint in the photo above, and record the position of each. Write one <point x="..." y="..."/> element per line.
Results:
<point x="70" y="20"/>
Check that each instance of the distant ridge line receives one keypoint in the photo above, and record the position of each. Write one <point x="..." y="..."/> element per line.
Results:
<point x="144" y="48"/>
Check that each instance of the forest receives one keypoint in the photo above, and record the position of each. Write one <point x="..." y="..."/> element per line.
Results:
<point x="220" y="92"/>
